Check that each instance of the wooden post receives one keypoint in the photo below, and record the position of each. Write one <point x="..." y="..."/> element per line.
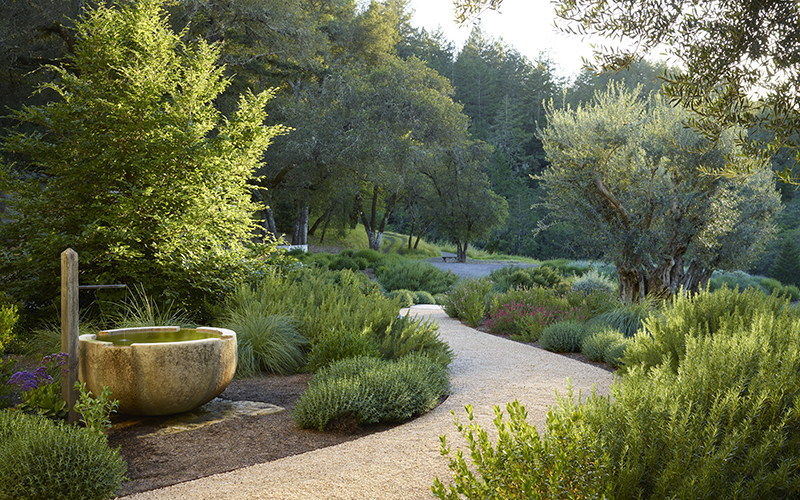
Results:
<point x="70" y="317"/>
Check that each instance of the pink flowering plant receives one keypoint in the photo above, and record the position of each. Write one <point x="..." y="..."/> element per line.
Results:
<point x="524" y="313"/>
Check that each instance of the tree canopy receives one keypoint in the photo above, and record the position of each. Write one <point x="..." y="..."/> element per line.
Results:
<point x="624" y="170"/>
<point x="132" y="166"/>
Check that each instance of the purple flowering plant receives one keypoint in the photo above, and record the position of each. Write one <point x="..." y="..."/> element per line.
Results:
<point x="41" y="389"/>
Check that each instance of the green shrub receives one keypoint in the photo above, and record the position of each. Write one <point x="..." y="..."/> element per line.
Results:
<point x="440" y="298"/>
<point x="409" y="335"/>
<point x="793" y="292"/>
<point x="423" y="297"/>
<point x="615" y="354"/>
<point x="733" y="280"/>
<point x="9" y="316"/>
<point x="415" y="276"/>
<point x="320" y="301"/>
<point x="594" y="281"/>
<point x="404" y="298"/>
<point x="41" y="459"/>
<point x="348" y="262"/>
<point x="371" y="390"/>
<point x="564" y="336"/>
<point x="6" y="390"/>
<point x="663" y="338"/>
<point x="371" y="256"/>
<point x="598" y="340"/>
<point x="567" y="267"/>
<point x="722" y="426"/>
<point x="467" y="300"/>
<point x="140" y="309"/>
<point x="627" y="318"/>
<point x="524" y="313"/>
<point x="339" y="345"/>
<point x="524" y="465"/>
<point x="511" y="277"/>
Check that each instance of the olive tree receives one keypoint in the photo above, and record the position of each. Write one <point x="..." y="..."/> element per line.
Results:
<point x="625" y="171"/>
<point x="131" y="164"/>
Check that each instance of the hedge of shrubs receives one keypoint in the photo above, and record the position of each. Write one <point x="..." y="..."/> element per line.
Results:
<point x="705" y="408"/>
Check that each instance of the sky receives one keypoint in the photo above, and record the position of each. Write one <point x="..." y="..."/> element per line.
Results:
<point x="526" y="25"/>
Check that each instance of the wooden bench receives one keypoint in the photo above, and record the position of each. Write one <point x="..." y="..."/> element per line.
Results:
<point x="445" y="257"/>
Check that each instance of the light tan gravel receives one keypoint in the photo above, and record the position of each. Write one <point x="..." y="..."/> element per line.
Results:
<point x="402" y="462"/>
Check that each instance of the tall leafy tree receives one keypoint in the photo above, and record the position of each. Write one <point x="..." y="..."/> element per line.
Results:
<point x="463" y="205"/>
<point x="133" y="166"/>
<point x="625" y="171"/>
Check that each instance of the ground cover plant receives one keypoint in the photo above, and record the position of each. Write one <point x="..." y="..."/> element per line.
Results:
<point x="705" y="408"/>
<point x="414" y="276"/>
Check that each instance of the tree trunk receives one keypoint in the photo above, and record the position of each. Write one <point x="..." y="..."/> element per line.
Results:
<point x="326" y="217"/>
<point x="300" y="233"/>
<point x="632" y="284"/>
<point x="375" y="232"/>
<point x="269" y="223"/>
<point x="461" y="251"/>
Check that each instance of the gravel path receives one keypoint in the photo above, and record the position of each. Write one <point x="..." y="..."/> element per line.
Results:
<point x="473" y="268"/>
<point x="402" y="462"/>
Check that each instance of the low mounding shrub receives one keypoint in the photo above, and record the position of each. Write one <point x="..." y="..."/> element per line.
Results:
<point x="423" y="297"/>
<point x="564" y="336"/>
<point x="404" y="298"/>
<point x="592" y="282"/>
<point x="41" y="459"/>
<point x="615" y="353"/>
<point x="598" y="340"/>
<point x="371" y="390"/>
<point x="467" y="301"/>
<point x="414" y="276"/>
<point x="506" y="278"/>
<point x="371" y="256"/>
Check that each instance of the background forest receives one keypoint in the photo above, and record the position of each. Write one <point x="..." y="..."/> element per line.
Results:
<point x="394" y="127"/>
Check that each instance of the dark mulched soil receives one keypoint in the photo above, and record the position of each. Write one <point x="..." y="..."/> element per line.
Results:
<point x="161" y="460"/>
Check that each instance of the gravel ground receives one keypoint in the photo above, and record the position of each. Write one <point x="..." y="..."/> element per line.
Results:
<point x="402" y="462"/>
<point x="473" y="268"/>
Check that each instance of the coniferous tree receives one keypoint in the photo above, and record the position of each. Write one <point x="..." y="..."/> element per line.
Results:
<point x="787" y="266"/>
<point x="132" y="166"/>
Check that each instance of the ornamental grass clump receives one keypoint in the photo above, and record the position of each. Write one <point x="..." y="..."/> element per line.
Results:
<point x="42" y="459"/>
<point x="371" y="390"/>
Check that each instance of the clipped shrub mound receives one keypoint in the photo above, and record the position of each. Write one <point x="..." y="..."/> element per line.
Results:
<point x="41" y="459"/>
<point x="371" y="390"/>
<point x="564" y="336"/>
<point x="598" y="340"/>
<point x="404" y="298"/>
<point x="423" y="297"/>
<point x="414" y="276"/>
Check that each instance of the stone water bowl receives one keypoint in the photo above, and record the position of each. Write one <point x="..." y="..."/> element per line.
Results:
<point x="158" y="370"/>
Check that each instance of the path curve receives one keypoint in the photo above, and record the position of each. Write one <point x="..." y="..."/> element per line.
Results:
<point x="401" y="463"/>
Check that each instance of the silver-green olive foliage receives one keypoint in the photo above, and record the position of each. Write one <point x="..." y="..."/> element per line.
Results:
<point x="625" y="171"/>
<point x="132" y="165"/>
